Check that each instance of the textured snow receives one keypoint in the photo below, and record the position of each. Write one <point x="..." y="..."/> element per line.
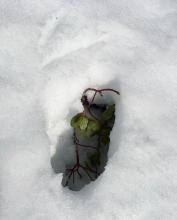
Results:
<point x="50" y="52"/>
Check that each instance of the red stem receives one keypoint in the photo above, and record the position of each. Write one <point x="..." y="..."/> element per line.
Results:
<point x="101" y="90"/>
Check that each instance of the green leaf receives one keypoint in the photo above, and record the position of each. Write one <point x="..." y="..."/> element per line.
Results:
<point x="85" y="126"/>
<point x="92" y="127"/>
<point x="109" y="112"/>
<point x="75" y="120"/>
<point x="79" y="121"/>
<point x="83" y="122"/>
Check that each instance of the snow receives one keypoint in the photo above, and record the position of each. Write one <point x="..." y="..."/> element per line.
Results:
<point x="50" y="52"/>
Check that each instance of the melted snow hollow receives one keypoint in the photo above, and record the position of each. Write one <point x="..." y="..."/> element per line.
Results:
<point x="50" y="52"/>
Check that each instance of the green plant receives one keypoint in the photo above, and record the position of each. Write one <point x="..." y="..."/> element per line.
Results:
<point x="94" y="124"/>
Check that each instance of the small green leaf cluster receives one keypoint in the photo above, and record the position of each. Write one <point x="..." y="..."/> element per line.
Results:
<point x="108" y="113"/>
<point x="84" y="125"/>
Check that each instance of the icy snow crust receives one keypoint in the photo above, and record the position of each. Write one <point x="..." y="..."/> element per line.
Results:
<point x="50" y="52"/>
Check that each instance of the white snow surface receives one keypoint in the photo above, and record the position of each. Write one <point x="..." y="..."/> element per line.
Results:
<point x="51" y="50"/>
